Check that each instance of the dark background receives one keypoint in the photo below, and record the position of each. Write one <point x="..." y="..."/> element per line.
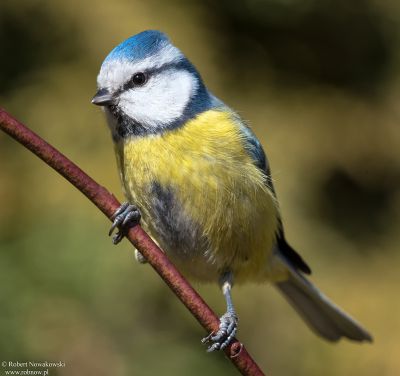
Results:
<point x="318" y="81"/>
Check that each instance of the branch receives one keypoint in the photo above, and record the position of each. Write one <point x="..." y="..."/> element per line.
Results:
<point x="107" y="203"/>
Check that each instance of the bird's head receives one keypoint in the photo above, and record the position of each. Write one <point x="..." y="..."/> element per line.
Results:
<point x="146" y="85"/>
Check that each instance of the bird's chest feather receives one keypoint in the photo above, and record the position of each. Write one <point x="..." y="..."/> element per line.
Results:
<point x="201" y="196"/>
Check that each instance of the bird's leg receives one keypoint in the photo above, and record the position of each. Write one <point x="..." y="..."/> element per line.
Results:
<point x="228" y="321"/>
<point x="125" y="217"/>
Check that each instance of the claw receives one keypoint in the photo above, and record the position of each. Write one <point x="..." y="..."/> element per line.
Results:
<point x="207" y="339"/>
<point x="125" y="217"/>
<point x="117" y="238"/>
<point x="121" y="209"/>
<point x="214" y="346"/>
<point x="225" y="334"/>
<point x="118" y="217"/>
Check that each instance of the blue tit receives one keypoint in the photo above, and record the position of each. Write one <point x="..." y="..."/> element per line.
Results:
<point x="197" y="177"/>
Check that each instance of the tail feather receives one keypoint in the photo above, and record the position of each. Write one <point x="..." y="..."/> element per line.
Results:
<point x="321" y="315"/>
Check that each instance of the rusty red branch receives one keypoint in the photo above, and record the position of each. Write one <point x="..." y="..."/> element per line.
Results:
<point x="107" y="203"/>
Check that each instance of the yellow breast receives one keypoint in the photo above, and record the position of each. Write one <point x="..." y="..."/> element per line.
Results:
<point x="217" y="188"/>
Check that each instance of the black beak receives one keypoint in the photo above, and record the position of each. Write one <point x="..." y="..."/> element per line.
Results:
<point x="103" y="98"/>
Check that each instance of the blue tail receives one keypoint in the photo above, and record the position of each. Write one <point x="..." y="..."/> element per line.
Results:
<point x="322" y="316"/>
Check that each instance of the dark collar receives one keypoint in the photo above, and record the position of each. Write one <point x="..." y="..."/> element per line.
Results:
<point x="128" y="127"/>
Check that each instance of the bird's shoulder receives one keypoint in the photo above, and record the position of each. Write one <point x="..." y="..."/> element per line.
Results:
<point x="256" y="151"/>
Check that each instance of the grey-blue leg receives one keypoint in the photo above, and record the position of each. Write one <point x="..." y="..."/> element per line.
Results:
<point x="125" y="217"/>
<point x="228" y="321"/>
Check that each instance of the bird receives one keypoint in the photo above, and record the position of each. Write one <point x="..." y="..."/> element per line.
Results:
<point x="197" y="178"/>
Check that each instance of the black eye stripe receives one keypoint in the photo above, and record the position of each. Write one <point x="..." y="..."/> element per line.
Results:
<point x="130" y="84"/>
<point x="148" y="73"/>
<point x="133" y="81"/>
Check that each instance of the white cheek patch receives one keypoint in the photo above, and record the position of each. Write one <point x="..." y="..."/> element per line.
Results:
<point x="161" y="100"/>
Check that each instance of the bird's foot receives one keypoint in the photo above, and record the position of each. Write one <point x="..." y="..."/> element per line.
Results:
<point x="139" y="257"/>
<point x="125" y="217"/>
<point x="227" y="329"/>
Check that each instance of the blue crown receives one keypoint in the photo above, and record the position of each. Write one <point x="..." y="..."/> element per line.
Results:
<point x="139" y="46"/>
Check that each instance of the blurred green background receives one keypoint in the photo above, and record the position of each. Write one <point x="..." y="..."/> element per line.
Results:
<point x="318" y="80"/>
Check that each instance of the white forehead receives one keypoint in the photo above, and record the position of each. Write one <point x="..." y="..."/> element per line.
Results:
<point x="114" y="73"/>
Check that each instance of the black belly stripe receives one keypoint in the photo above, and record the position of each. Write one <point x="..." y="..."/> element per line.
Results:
<point x="175" y="230"/>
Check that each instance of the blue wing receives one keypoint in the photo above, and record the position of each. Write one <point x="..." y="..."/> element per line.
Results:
<point x="256" y="151"/>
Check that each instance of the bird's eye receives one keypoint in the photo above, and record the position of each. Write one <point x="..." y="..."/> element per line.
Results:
<point x="139" y="79"/>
